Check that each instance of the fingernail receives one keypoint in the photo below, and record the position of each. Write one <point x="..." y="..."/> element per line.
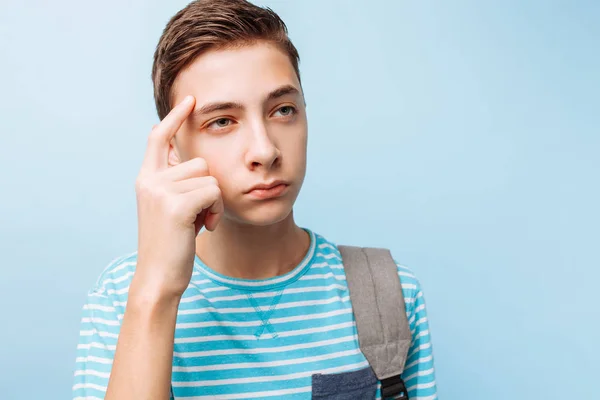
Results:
<point x="187" y="100"/>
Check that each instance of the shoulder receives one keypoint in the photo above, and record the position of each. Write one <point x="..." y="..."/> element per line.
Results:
<point x="411" y="286"/>
<point x="116" y="276"/>
<point x="106" y="300"/>
<point x="325" y="248"/>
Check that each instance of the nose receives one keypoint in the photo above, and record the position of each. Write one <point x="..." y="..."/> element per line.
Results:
<point x="262" y="152"/>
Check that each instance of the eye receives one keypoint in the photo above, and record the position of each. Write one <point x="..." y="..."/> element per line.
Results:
<point x="286" y="111"/>
<point x="220" y="123"/>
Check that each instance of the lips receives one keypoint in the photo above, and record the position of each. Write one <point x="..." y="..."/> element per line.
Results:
<point x="268" y="190"/>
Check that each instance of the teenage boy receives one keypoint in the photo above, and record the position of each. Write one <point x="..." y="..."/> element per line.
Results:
<point x="254" y="306"/>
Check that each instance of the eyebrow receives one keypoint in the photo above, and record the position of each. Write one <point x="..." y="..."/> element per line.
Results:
<point x="282" y="91"/>
<point x="230" y="105"/>
<point x="218" y="106"/>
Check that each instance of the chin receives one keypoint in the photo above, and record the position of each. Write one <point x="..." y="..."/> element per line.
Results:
<point x="264" y="213"/>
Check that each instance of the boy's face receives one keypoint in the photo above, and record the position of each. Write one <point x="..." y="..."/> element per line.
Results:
<point x="249" y="125"/>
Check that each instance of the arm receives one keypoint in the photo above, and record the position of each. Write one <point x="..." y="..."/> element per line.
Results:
<point x="419" y="371"/>
<point x="96" y="347"/>
<point x="173" y="204"/>
<point x="129" y="346"/>
<point x="144" y="356"/>
<point x="138" y="363"/>
<point x="133" y="351"/>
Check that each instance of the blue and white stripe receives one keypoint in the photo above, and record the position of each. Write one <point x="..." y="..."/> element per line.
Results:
<point x="240" y="339"/>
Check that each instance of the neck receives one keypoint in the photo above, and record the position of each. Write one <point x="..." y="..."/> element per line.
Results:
<point x="253" y="252"/>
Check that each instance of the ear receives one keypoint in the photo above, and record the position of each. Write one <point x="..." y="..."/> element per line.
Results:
<point x="174" y="158"/>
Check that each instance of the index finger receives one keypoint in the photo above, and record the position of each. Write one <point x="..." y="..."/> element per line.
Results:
<point x="158" y="141"/>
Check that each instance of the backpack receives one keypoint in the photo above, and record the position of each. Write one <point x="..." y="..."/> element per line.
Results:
<point x="384" y="334"/>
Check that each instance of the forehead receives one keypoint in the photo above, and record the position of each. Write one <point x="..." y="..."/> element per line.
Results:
<point x="239" y="74"/>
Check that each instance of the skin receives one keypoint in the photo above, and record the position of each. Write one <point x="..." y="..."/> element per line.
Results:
<point x="198" y="171"/>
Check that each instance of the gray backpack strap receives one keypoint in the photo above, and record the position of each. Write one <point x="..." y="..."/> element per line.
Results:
<point x="378" y="304"/>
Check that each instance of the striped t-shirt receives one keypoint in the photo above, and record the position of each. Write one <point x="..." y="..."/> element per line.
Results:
<point x="242" y="339"/>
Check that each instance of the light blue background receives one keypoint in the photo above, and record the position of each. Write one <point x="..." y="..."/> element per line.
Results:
<point x="464" y="135"/>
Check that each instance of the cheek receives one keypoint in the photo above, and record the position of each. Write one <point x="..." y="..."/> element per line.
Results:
<point x="223" y="172"/>
<point x="295" y="147"/>
<point x="217" y="154"/>
<point x="219" y="167"/>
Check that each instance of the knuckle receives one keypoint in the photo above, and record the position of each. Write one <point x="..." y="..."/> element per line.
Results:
<point x="212" y="181"/>
<point x="148" y="188"/>
<point x="200" y="165"/>
<point x="154" y="135"/>
<point x="175" y="210"/>
<point x="161" y="195"/>
<point x="141" y="184"/>
<point x="214" y="191"/>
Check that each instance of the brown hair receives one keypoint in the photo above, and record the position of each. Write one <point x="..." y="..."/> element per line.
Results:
<point x="212" y="24"/>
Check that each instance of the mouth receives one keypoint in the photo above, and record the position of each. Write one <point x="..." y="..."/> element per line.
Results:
<point x="268" y="190"/>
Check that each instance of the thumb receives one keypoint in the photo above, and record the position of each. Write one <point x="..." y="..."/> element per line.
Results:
<point x="200" y="219"/>
<point x="212" y="220"/>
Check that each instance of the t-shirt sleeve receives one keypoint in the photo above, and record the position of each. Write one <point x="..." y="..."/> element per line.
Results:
<point x="99" y="329"/>
<point x="98" y="335"/>
<point x="419" y="370"/>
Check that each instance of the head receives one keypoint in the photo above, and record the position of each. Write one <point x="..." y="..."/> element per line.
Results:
<point x="249" y="121"/>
